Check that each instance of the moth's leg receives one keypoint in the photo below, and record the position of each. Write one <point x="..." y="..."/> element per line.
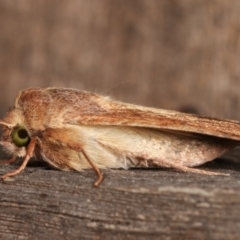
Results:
<point x="95" y="168"/>
<point x="29" y="153"/>
<point x="188" y="169"/>
<point x="8" y="161"/>
<point x="200" y="171"/>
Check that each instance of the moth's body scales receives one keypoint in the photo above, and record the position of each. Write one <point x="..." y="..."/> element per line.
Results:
<point x="113" y="134"/>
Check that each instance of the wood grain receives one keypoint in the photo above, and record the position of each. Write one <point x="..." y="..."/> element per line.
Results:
<point x="133" y="204"/>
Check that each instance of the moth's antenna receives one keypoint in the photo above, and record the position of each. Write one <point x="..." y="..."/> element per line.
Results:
<point x="6" y="124"/>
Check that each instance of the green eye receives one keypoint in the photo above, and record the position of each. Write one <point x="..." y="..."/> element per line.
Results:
<point x="20" y="136"/>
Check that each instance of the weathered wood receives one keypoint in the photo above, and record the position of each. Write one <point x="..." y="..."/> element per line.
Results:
<point x="133" y="204"/>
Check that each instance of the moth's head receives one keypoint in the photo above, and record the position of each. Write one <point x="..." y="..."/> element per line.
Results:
<point x="14" y="135"/>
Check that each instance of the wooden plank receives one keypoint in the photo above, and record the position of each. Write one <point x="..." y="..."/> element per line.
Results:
<point x="129" y="204"/>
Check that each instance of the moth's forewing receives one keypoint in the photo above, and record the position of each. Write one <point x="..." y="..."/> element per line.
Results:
<point x="120" y="114"/>
<point x="69" y="106"/>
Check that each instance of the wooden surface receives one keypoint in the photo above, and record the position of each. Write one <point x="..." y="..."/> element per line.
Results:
<point x="135" y="204"/>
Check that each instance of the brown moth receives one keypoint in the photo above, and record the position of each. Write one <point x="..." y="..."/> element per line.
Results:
<point x="75" y="130"/>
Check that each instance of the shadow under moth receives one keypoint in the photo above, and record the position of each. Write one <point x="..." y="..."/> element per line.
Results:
<point x="76" y="130"/>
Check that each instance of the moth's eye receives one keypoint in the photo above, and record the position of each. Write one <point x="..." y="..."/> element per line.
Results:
<point x="20" y="136"/>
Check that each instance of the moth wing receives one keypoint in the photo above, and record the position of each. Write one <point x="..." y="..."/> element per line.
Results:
<point x="80" y="107"/>
<point x="113" y="113"/>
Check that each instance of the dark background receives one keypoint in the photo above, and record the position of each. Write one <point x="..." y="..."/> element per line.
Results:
<point x="167" y="54"/>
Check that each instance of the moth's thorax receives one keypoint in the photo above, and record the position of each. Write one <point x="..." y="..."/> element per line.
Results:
<point x="41" y="109"/>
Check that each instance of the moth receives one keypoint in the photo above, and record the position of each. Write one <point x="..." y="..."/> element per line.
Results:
<point x="76" y="130"/>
